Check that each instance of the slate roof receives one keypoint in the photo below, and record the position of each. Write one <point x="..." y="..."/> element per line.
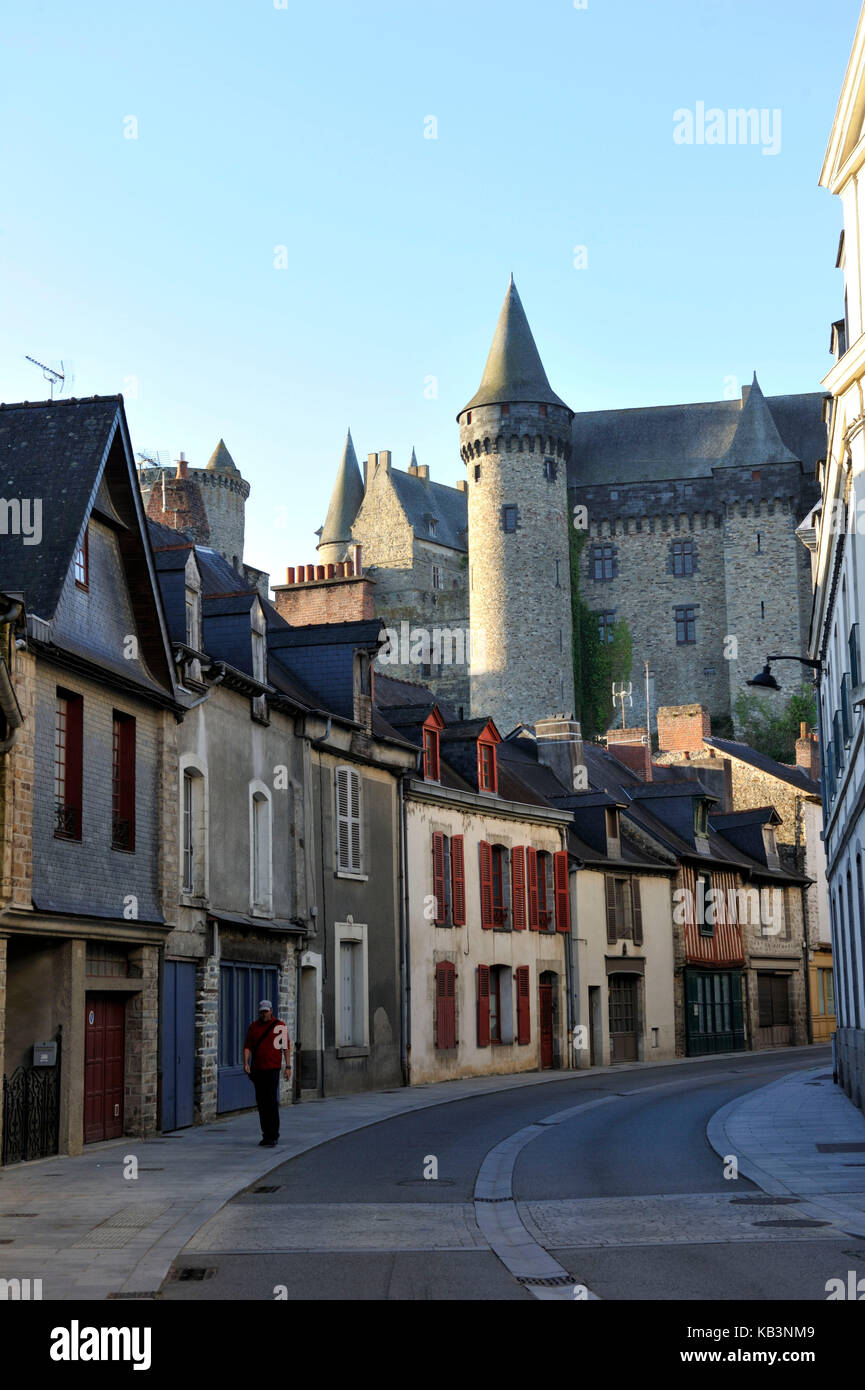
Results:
<point x="514" y="371"/>
<point x="345" y="499"/>
<point x="220" y="461"/>
<point x="746" y="754"/>
<point x="756" y="440"/>
<point x="53" y="451"/>
<point x="391" y="693"/>
<point x="685" y="441"/>
<point x="421" y="498"/>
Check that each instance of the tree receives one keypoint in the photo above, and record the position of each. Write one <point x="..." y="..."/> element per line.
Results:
<point x="596" y="664"/>
<point x="773" y="730"/>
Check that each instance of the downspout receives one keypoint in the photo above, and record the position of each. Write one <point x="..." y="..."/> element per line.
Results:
<point x="318" y="744"/>
<point x="206" y="696"/>
<point x="404" y="947"/>
<point x="572" y="968"/>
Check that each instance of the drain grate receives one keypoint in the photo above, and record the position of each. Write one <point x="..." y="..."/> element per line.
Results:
<point x="493" y="1199"/>
<point x="840" y="1148"/>
<point x="764" y="1201"/>
<point x="196" y="1273"/>
<point x="274" y="1188"/>
<point x="149" y="1294"/>
<point x="555" y="1281"/>
<point x="16" y="1215"/>
<point x="800" y="1223"/>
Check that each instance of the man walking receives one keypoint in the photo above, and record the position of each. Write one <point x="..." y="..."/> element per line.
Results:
<point x="266" y="1043"/>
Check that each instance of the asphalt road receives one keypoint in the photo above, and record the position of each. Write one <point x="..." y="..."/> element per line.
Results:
<point x="626" y="1194"/>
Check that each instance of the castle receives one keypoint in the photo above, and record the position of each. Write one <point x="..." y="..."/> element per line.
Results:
<point x="689" y="514"/>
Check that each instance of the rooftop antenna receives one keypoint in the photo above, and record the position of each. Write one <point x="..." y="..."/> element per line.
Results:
<point x="50" y="375"/>
<point x="622" y="693"/>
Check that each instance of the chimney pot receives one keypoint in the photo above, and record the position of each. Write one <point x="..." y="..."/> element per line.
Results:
<point x="289" y="575"/>
<point x="331" y="570"/>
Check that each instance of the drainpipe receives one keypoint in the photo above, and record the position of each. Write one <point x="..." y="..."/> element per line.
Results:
<point x="404" y="946"/>
<point x="216" y="681"/>
<point x="318" y="744"/>
<point x="10" y="613"/>
<point x="573" y="972"/>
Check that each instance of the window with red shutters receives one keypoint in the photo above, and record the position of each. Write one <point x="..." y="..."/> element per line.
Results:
<point x="430" y="754"/>
<point x="483" y="1006"/>
<point x="487" y="779"/>
<point x="523" y="1005"/>
<point x="458" y="881"/>
<point x="446" y="1019"/>
<point x="563" y="903"/>
<point x="123" y="783"/>
<point x="612" y="913"/>
<point x="68" y="764"/>
<point x="486" y="885"/>
<point x="439" y="891"/>
<point x="545" y="890"/>
<point x="500" y="873"/>
<point x="532" y="887"/>
<point x="518" y="886"/>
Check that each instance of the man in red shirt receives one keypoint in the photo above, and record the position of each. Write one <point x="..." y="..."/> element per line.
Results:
<point x="265" y="1045"/>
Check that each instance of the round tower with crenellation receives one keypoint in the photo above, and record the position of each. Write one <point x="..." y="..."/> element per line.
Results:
<point x="515" y="439"/>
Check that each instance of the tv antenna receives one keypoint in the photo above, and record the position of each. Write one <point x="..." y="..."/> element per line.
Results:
<point x="50" y="375"/>
<point x="622" y="695"/>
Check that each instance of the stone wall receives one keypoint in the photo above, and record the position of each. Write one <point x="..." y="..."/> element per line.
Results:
<point x="142" y="1044"/>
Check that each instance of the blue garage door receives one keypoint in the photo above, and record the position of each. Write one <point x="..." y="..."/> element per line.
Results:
<point x="178" y="1044"/>
<point x="240" y="988"/>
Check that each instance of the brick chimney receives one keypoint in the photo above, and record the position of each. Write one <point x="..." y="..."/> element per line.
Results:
<point x="337" y="593"/>
<point x="808" y="753"/>
<point x="682" y="728"/>
<point x="631" y="747"/>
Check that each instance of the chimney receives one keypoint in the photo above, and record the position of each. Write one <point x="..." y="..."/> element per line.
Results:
<point x="560" y="747"/>
<point x="356" y="555"/>
<point x="808" y="753"/>
<point x="462" y="485"/>
<point x="384" y="459"/>
<point x="369" y="469"/>
<point x="423" y="471"/>
<point x="631" y="747"/>
<point x="182" y="466"/>
<point x="412" y="469"/>
<point x="682" y="728"/>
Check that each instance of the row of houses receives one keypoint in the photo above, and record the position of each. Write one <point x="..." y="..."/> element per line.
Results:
<point x="203" y="803"/>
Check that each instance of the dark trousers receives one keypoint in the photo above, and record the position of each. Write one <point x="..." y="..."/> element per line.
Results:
<point x="266" y="1083"/>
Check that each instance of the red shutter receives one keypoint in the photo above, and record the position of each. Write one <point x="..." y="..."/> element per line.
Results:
<point x="446" y="1032"/>
<point x="518" y="884"/>
<point x="483" y="1006"/>
<point x="74" y="760"/>
<point x="524" y="1031"/>
<point x="612" y="923"/>
<point x="532" y="876"/>
<point x="438" y="849"/>
<point x="637" y="911"/>
<point x="458" y="882"/>
<point x="486" y="887"/>
<point x="560" y="879"/>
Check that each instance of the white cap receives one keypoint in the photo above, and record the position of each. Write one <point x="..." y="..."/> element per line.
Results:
<point x="264" y="1004"/>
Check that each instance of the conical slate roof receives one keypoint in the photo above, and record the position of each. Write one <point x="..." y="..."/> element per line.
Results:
<point x="514" y="370"/>
<point x="345" y="500"/>
<point x="220" y="461"/>
<point x="756" y="440"/>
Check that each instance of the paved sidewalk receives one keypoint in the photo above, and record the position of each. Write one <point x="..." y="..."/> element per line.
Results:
<point x="799" y="1137"/>
<point x="89" y="1230"/>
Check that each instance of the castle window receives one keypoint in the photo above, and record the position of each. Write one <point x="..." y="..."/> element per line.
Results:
<point x="759" y="543"/>
<point x="686" y="625"/>
<point x="438" y="581"/>
<point x="542" y="411"/>
<point x="683" y="557"/>
<point x="477" y="472"/>
<point x="755" y="475"/>
<point x="762" y="608"/>
<point x="602" y="561"/>
<point x="82" y="562"/>
<point x="509" y="517"/>
<point x="550" y="470"/>
<point x="468" y="417"/>
<point x="606" y="623"/>
<point x="506" y="410"/>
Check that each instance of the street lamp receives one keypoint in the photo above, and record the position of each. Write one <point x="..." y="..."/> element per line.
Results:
<point x="766" y="681"/>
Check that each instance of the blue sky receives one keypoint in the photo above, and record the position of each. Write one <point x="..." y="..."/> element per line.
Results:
<point x="148" y="264"/>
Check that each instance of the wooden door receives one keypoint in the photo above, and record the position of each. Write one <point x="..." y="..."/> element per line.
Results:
<point x="545" y="992"/>
<point x="104" y="1046"/>
<point x="623" y="1018"/>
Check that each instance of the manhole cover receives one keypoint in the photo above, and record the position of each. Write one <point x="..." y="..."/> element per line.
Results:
<point x="198" y="1273"/>
<point x="764" y="1201"/>
<point x="800" y="1223"/>
<point x="841" y="1148"/>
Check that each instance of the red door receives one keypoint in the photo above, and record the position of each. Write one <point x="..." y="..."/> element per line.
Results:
<point x="104" y="1039"/>
<point x="546" y="1025"/>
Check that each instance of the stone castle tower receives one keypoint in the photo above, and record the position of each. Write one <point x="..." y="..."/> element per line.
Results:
<point x="335" y="538"/>
<point x="206" y="503"/>
<point x="515" y="439"/>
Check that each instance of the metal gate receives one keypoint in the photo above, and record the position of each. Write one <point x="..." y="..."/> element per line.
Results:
<point x="31" y="1112"/>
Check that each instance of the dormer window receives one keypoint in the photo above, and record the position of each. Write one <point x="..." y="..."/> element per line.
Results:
<point x="487" y="778"/>
<point x="701" y="819"/>
<point x="430" y="754"/>
<point x="82" y="562"/>
<point x="193" y="619"/>
<point x="612" y="819"/>
<point x="433" y="525"/>
<point x="259" y="660"/>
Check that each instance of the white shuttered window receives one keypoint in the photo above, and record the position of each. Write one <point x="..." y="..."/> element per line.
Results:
<point x="348" y="836"/>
